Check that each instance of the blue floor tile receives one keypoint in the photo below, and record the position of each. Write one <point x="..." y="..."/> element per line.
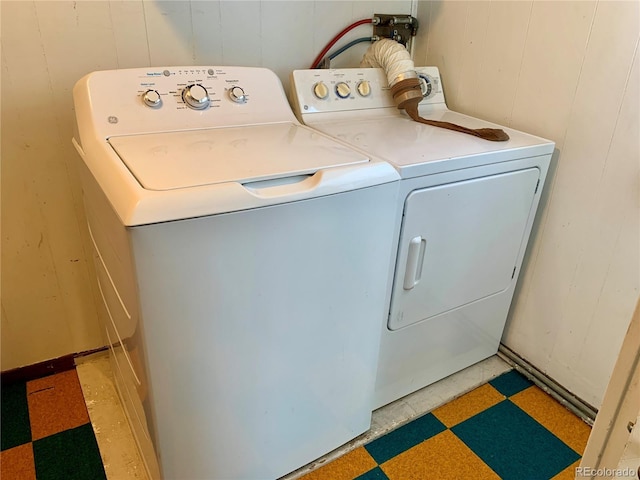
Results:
<point x="374" y="474"/>
<point x="510" y="383"/>
<point x="71" y="454"/>
<point x="15" y="426"/>
<point x="404" y="438"/>
<point x="514" y="445"/>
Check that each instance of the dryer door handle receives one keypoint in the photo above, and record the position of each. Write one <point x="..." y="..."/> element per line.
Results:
<point x="415" y="259"/>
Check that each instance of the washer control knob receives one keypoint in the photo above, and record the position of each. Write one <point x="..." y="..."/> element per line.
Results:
<point x="196" y="96"/>
<point x="364" y="88"/>
<point x="320" y="90"/>
<point x="343" y="90"/>
<point x="237" y="95"/>
<point x="151" y="98"/>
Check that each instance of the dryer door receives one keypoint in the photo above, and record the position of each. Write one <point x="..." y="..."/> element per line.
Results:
<point x="459" y="243"/>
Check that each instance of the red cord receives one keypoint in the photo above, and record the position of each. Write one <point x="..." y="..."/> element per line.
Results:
<point x="319" y="58"/>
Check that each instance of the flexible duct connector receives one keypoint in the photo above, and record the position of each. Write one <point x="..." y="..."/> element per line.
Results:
<point x="406" y="90"/>
<point x="394" y="59"/>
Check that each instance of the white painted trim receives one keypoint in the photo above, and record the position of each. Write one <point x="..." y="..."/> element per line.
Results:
<point x="620" y="406"/>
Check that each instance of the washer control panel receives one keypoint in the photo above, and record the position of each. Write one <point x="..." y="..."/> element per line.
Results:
<point x="143" y="100"/>
<point x="194" y="88"/>
<point x="334" y="90"/>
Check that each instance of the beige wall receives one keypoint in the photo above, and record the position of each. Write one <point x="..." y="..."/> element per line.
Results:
<point x="567" y="71"/>
<point x="49" y="299"/>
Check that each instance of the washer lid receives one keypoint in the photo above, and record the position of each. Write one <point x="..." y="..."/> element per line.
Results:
<point x="174" y="160"/>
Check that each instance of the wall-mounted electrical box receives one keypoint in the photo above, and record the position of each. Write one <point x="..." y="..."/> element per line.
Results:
<point x="397" y="27"/>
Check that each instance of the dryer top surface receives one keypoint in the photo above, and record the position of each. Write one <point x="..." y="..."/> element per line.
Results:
<point x="417" y="149"/>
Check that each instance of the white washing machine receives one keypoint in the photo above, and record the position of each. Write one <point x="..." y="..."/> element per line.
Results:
<point x="242" y="258"/>
<point x="465" y="212"/>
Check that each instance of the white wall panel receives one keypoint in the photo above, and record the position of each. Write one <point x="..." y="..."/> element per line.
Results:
<point x="501" y="59"/>
<point x="130" y="33"/>
<point x="479" y="48"/>
<point x="49" y="299"/>
<point x="547" y="299"/>
<point x="77" y="38"/>
<point x="472" y="57"/>
<point x="607" y="277"/>
<point x="562" y="70"/>
<point x="296" y="36"/>
<point x="241" y="33"/>
<point x="553" y="55"/>
<point x="169" y="32"/>
<point x="206" y="20"/>
<point x="421" y="40"/>
<point x="581" y="215"/>
<point x="446" y="43"/>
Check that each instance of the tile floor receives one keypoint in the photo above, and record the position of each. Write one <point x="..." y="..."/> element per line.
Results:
<point x="503" y="427"/>
<point x="46" y="432"/>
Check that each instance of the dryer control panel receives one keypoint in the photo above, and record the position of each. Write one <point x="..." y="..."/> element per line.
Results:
<point x="347" y="89"/>
<point x="142" y="100"/>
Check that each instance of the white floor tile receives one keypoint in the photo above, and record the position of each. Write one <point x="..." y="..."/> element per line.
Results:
<point x="115" y="440"/>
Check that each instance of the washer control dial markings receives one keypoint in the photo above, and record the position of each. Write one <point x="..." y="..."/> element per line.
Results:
<point x="237" y="94"/>
<point x="151" y="98"/>
<point x="196" y="96"/>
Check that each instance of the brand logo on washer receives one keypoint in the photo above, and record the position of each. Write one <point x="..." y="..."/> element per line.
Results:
<point x="112" y="119"/>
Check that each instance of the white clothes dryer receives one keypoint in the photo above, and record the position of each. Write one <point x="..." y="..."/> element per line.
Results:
<point x="465" y="212"/>
<point x="242" y="258"/>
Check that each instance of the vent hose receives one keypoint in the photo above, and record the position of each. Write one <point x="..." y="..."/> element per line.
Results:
<point x="390" y="56"/>
<point x="406" y="88"/>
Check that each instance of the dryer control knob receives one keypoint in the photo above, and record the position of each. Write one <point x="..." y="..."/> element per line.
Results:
<point x="151" y="98"/>
<point x="343" y="90"/>
<point x="320" y="90"/>
<point x="427" y="85"/>
<point x="196" y="96"/>
<point x="237" y="95"/>
<point x="364" y="88"/>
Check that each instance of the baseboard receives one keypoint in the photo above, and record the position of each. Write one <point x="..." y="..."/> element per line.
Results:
<point x="43" y="369"/>
<point x="549" y="385"/>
